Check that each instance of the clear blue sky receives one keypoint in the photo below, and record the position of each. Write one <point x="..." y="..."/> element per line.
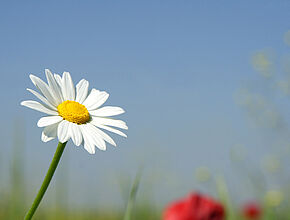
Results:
<point x="172" y="65"/>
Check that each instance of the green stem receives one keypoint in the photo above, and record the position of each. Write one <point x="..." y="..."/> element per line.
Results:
<point x="46" y="181"/>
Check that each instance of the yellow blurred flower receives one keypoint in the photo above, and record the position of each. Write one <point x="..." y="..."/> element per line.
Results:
<point x="202" y="174"/>
<point x="274" y="198"/>
<point x="261" y="62"/>
<point x="271" y="164"/>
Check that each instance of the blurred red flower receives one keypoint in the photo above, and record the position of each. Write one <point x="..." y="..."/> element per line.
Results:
<point x="194" y="207"/>
<point x="252" y="210"/>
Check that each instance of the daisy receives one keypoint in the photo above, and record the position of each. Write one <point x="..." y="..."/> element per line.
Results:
<point x="74" y="112"/>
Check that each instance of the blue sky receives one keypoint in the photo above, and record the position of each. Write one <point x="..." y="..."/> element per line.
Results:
<point x="174" y="66"/>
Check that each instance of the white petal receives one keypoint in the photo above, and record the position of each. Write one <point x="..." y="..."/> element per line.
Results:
<point x="107" y="111"/>
<point x="95" y="99"/>
<point x="38" y="107"/>
<point x="44" y="89"/>
<point x="103" y="135"/>
<point x="88" y="142"/>
<point x="108" y="121"/>
<point x="43" y="99"/>
<point x="45" y="138"/>
<point x="68" y="89"/>
<point x="49" y="132"/>
<point x="98" y="140"/>
<point x="58" y="80"/>
<point x="48" y="120"/>
<point x="82" y="90"/>
<point x="112" y="130"/>
<point x="63" y="132"/>
<point x="54" y="87"/>
<point x="76" y="134"/>
<point x="94" y="136"/>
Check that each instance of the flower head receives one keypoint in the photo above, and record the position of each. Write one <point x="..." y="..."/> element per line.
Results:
<point x="195" y="207"/>
<point x="74" y="112"/>
<point x="252" y="210"/>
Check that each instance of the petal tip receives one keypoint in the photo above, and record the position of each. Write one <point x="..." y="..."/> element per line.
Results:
<point x="91" y="152"/>
<point x="47" y="71"/>
<point x="65" y="73"/>
<point x="31" y="76"/>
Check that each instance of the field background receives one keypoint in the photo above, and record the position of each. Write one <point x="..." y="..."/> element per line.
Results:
<point x="205" y="86"/>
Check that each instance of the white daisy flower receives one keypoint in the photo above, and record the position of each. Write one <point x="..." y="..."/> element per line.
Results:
<point x="74" y="113"/>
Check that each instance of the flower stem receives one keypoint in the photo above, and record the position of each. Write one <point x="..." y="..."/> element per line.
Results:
<point x="46" y="181"/>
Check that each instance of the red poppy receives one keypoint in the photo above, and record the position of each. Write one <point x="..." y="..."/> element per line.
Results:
<point x="252" y="210"/>
<point x="194" y="207"/>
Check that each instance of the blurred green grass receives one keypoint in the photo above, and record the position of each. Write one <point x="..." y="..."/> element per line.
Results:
<point x="15" y="202"/>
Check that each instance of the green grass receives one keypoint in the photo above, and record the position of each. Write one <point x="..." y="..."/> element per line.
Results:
<point x="14" y="204"/>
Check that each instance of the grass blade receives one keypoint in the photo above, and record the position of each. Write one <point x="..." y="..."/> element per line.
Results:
<point x="132" y="197"/>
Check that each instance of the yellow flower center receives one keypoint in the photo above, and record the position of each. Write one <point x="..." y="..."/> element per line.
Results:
<point x="74" y="112"/>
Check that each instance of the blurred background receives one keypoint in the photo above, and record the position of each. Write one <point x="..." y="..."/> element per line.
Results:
<point x="205" y="86"/>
